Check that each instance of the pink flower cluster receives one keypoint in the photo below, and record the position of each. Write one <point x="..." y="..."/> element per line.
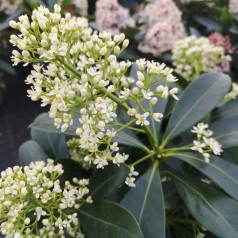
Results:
<point x="233" y="6"/>
<point x="112" y="17"/>
<point x="218" y="39"/>
<point x="165" y="27"/>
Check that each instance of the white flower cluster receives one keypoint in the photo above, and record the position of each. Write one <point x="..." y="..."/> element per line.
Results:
<point x="112" y="17"/>
<point x="9" y="6"/>
<point x="233" y="94"/>
<point x="130" y="180"/>
<point x="193" y="56"/>
<point x="34" y="204"/>
<point x="165" y="27"/>
<point x="204" y="143"/>
<point x="84" y="80"/>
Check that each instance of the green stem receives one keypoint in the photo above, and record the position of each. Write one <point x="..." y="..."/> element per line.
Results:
<point x="143" y="158"/>
<point x="183" y="221"/>
<point x="115" y="99"/>
<point x="125" y="126"/>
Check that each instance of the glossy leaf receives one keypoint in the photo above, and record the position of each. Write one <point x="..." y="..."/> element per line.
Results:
<point x="129" y="138"/>
<point x="214" y="210"/>
<point x="227" y="110"/>
<point x="222" y="172"/>
<point x="104" y="219"/>
<point x="208" y="22"/>
<point x="53" y="144"/>
<point x="146" y="202"/>
<point x="44" y="123"/>
<point x="104" y="181"/>
<point x="30" y="151"/>
<point x="226" y="131"/>
<point x="72" y="169"/>
<point x="199" y="98"/>
<point x="4" y="66"/>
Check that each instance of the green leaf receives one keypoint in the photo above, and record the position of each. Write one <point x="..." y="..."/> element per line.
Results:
<point x="53" y="144"/>
<point x="104" y="181"/>
<point x="226" y="131"/>
<point x="215" y="211"/>
<point x="208" y="23"/>
<point x="104" y="219"/>
<point x="227" y="110"/>
<point x="72" y="169"/>
<point x="129" y="138"/>
<point x="4" y="66"/>
<point x="146" y="202"/>
<point x="222" y="172"/>
<point x="44" y="123"/>
<point x="200" y="97"/>
<point x="30" y="151"/>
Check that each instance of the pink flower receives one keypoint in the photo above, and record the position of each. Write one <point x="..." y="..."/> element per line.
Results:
<point x="233" y="6"/>
<point x="218" y="39"/>
<point x="112" y="17"/>
<point x="165" y="27"/>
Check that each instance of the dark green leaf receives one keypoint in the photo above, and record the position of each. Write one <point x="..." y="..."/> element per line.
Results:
<point x="226" y="131"/>
<point x="222" y="172"/>
<point x="104" y="181"/>
<point x="104" y="219"/>
<point x="208" y="22"/>
<point x="44" y="123"/>
<point x="200" y="97"/>
<point x="171" y="197"/>
<point x="4" y="66"/>
<point x="146" y="202"/>
<point x="129" y="138"/>
<point x="30" y="151"/>
<point x="72" y="169"/>
<point x="53" y="144"/>
<point x="227" y="110"/>
<point x="214" y="210"/>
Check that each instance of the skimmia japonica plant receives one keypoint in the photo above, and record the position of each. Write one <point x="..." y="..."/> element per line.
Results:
<point x="125" y="150"/>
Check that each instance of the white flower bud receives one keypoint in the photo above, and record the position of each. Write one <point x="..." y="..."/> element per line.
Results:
<point x="140" y="76"/>
<point x="84" y="92"/>
<point x="44" y="43"/>
<point x="160" y="89"/>
<point x="117" y="50"/>
<point x="27" y="221"/>
<point x="125" y="43"/>
<point x="13" y="24"/>
<point x="112" y="58"/>
<point x="140" y="84"/>
<point x="111" y="89"/>
<point x="26" y="54"/>
<point x="122" y="36"/>
<point x="83" y="111"/>
<point x="153" y="100"/>
<point x="103" y="51"/>
<point x="57" y="8"/>
<point x="157" y="116"/>
<point x="135" y="90"/>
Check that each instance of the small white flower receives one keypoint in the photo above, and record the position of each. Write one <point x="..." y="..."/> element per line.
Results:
<point x="142" y="119"/>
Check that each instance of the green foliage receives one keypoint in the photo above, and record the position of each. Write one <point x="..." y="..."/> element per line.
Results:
<point x="106" y="219"/>
<point x="146" y="202"/>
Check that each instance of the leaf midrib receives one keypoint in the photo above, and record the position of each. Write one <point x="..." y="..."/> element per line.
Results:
<point x="212" y="165"/>
<point x="185" y="115"/>
<point x="205" y="201"/>
<point x="107" y="223"/>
